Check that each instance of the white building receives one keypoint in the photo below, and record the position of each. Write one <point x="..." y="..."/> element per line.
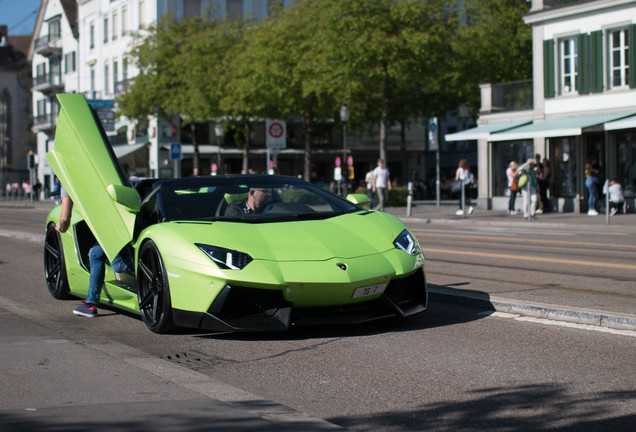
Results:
<point x="582" y="104"/>
<point x="81" y="46"/>
<point x="54" y="60"/>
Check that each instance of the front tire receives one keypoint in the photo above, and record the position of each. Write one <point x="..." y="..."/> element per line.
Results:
<point x="55" y="264"/>
<point x="154" y="291"/>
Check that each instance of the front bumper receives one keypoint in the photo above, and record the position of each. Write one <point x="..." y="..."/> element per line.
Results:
<point x="239" y="308"/>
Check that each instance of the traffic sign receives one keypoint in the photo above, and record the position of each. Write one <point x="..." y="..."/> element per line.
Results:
<point x="101" y="103"/>
<point x="433" y="133"/>
<point x="338" y="161"/>
<point x="276" y="133"/>
<point x="175" y="151"/>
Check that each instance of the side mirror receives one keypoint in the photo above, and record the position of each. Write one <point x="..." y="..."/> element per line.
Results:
<point x="360" y="199"/>
<point x="125" y="196"/>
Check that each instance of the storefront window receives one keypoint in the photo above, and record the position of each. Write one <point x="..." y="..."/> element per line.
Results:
<point x="564" y="166"/>
<point x="627" y="163"/>
<point x="502" y="154"/>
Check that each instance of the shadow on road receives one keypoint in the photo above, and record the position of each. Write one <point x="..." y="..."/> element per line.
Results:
<point x="537" y="407"/>
<point x="438" y="314"/>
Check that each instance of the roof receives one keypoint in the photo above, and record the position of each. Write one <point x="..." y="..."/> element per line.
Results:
<point x="70" y="10"/>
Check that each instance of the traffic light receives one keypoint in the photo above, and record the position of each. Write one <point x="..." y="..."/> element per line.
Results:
<point x="31" y="161"/>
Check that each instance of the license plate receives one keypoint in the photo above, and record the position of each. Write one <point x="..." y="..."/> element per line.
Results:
<point x="369" y="290"/>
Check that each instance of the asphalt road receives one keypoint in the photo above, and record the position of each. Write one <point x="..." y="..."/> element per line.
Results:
<point x="453" y="368"/>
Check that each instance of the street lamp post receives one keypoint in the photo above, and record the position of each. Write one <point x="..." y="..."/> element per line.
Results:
<point x="344" y="117"/>
<point x="218" y="131"/>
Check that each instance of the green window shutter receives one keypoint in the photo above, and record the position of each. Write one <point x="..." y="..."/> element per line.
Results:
<point x="596" y="61"/>
<point x="583" y="55"/>
<point x="632" y="56"/>
<point x="548" y="69"/>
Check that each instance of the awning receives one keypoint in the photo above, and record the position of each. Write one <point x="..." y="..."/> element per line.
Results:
<point x="483" y="131"/>
<point x="625" y="123"/>
<point x="126" y="149"/>
<point x="556" y="127"/>
<point x="188" y="149"/>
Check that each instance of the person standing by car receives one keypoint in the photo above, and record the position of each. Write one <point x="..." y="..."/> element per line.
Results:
<point x="381" y="184"/>
<point x="97" y="259"/>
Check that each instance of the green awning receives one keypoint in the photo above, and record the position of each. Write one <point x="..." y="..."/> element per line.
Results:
<point x="625" y="123"/>
<point x="126" y="149"/>
<point x="556" y="127"/>
<point x="483" y="131"/>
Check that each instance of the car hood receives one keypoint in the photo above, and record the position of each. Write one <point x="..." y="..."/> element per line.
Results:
<point x="351" y="235"/>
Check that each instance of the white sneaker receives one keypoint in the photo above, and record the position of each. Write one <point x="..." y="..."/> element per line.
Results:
<point x="470" y="210"/>
<point x="613" y="212"/>
<point x="459" y="212"/>
<point x="592" y="213"/>
<point x="513" y="212"/>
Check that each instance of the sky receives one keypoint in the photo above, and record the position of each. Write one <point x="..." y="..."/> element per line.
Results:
<point x="19" y="15"/>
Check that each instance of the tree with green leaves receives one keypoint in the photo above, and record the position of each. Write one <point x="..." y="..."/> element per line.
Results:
<point x="182" y="71"/>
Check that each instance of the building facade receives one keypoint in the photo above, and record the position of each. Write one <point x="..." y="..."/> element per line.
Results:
<point x="15" y="109"/>
<point x="581" y="105"/>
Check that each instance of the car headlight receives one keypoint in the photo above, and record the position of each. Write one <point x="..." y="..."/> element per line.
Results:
<point x="225" y="258"/>
<point x="407" y="243"/>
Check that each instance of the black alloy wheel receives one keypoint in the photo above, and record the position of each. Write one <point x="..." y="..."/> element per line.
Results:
<point x="154" y="292"/>
<point x="55" y="264"/>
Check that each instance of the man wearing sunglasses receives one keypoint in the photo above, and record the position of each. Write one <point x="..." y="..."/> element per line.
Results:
<point x="256" y="201"/>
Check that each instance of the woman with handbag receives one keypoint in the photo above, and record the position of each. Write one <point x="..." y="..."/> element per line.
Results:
<point x="511" y="173"/>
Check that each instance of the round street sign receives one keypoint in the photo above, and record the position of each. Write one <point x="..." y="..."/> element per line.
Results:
<point x="276" y="129"/>
<point x="338" y="161"/>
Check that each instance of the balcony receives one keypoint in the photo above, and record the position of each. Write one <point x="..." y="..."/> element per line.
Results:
<point x="505" y="97"/>
<point x="48" y="45"/>
<point x="48" y="84"/>
<point x="44" y="122"/>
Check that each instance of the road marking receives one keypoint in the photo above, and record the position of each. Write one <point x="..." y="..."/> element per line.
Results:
<point x="526" y="240"/>
<point x="527" y="258"/>
<point x="563" y="324"/>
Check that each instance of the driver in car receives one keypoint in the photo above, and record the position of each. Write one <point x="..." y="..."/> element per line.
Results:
<point x="256" y="202"/>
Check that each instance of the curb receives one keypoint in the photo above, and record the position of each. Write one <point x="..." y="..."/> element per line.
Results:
<point x="475" y="221"/>
<point x="537" y="310"/>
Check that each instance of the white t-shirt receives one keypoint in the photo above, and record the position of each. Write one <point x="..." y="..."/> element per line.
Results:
<point x="381" y="177"/>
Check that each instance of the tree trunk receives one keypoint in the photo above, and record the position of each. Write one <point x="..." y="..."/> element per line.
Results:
<point x="403" y="154"/>
<point x="384" y="126"/>
<point x="195" y="157"/>
<point x="308" y="120"/>
<point x="246" y="148"/>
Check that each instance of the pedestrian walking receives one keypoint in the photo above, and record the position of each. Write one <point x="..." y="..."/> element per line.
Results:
<point x="381" y="184"/>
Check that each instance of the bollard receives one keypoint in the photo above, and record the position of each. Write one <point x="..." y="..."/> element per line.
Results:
<point x="409" y="199"/>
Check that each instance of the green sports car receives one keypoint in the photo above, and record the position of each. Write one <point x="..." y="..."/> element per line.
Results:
<point x="224" y="253"/>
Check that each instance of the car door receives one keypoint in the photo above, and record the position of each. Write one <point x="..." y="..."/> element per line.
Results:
<point x="87" y="167"/>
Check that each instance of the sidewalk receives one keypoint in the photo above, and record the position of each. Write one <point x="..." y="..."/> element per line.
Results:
<point x="428" y="212"/>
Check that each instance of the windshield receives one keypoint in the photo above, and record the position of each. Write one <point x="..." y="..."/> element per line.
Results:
<point x="249" y="199"/>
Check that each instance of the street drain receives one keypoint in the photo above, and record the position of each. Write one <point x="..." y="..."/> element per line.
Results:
<point x="191" y="360"/>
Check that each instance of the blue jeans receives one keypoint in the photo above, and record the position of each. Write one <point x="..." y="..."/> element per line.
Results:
<point x="590" y="184"/>
<point x="512" y="200"/>
<point x="97" y="258"/>
<point x="371" y="197"/>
